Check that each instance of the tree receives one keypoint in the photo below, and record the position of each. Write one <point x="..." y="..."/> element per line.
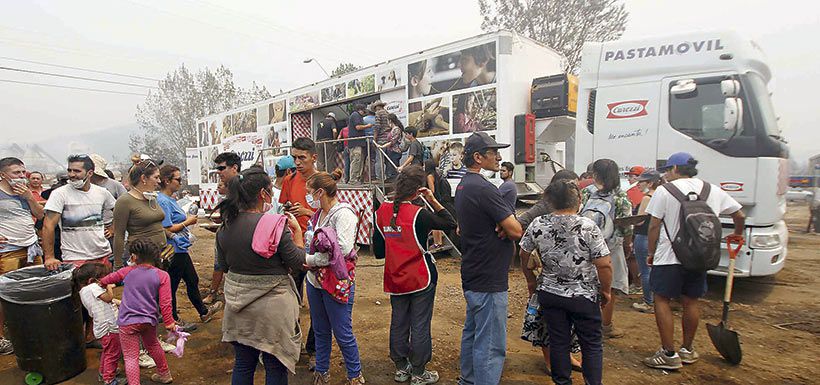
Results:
<point x="563" y="25"/>
<point x="168" y="116"/>
<point x="345" y="68"/>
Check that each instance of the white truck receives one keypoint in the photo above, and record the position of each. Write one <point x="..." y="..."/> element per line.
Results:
<point x="637" y="102"/>
<point x="704" y="93"/>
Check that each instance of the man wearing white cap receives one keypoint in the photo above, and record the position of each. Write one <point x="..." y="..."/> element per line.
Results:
<point x="100" y="178"/>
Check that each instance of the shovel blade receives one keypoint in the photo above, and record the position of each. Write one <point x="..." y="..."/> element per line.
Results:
<point x="727" y="342"/>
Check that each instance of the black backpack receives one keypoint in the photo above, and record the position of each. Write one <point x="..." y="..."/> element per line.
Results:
<point x="443" y="193"/>
<point x="697" y="244"/>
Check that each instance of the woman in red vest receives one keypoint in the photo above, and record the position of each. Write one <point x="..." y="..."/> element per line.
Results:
<point x="410" y="272"/>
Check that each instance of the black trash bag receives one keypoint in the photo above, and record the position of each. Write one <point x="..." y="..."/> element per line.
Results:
<point x="36" y="285"/>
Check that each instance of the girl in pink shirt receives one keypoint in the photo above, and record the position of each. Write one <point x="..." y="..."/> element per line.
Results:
<point x="144" y="287"/>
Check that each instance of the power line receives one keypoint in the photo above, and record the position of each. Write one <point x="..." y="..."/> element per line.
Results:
<point x="72" y="88"/>
<point x="79" y="68"/>
<point x="74" y="77"/>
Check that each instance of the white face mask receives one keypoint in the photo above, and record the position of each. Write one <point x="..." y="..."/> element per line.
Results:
<point x="76" y="183"/>
<point x="150" y="195"/>
<point x="18" y="181"/>
<point x="314" y="203"/>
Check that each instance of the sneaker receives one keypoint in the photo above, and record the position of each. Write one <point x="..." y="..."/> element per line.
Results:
<point x="321" y="378"/>
<point x="166" y="379"/>
<point x="166" y="347"/>
<point x="212" y="310"/>
<point x="403" y="375"/>
<point x="358" y="380"/>
<point x="643" y="307"/>
<point x="429" y="377"/>
<point x="187" y="327"/>
<point x="610" y="331"/>
<point x="5" y="346"/>
<point x="661" y="361"/>
<point x="118" y="381"/>
<point x="635" y="289"/>
<point x="688" y="356"/>
<point x="146" y="361"/>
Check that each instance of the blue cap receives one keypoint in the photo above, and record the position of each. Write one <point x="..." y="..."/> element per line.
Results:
<point x="285" y="163"/>
<point x="676" y="159"/>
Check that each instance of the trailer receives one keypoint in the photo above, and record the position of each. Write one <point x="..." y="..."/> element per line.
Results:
<point x="634" y="101"/>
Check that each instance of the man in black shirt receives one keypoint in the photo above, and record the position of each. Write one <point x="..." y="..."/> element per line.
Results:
<point x="485" y="260"/>
<point x="326" y="152"/>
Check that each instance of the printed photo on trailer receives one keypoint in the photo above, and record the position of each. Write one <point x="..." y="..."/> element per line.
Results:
<point x="467" y="68"/>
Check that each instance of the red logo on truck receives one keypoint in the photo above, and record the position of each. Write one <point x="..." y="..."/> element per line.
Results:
<point x="731" y="186"/>
<point x="627" y="109"/>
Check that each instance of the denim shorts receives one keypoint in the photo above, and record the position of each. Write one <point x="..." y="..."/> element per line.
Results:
<point x="672" y="281"/>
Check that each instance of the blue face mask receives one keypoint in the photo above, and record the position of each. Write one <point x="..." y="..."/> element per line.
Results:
<point x="313" y="203"/>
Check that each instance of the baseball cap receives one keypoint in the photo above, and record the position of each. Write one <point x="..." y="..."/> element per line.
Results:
<point x="649" y="176"/>
<point x="332" y="115"/>
<point x="676" y="159"/>
<point x="636" y="170"/>
<point x="99" y="165"/>
<point x="479" y="141"/>
<point x="285" y="163"/>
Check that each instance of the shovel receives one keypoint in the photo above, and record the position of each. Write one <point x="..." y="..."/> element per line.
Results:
<point x="727" y="341"/>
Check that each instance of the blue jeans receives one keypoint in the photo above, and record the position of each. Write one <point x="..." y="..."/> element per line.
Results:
<point x="641" y="248"/>
<point x="328" y="316"/>
<point x="245" y="364"/>
<point x="484" y="339"/>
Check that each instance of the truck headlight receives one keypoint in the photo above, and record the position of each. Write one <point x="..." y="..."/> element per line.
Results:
<point x="765" y="241"/>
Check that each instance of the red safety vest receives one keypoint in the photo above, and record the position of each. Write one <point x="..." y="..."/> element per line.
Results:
<point x="405" y="268"/>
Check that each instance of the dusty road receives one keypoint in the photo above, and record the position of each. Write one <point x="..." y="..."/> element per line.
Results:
<point x="777" y="317"/>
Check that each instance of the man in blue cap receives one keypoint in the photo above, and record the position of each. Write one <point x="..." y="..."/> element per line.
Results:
<point x="284" y="167"/>
<point x="668" y="278"/>
<point x="484" y="263"/>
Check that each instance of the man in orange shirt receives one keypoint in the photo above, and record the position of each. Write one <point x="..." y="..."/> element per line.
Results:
<point x="293" y="199"/>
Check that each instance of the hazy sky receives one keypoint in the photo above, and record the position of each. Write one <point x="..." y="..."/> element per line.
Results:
<point x="266" y="41"/>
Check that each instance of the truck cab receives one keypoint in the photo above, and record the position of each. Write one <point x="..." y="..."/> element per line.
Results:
<point x="704" y="93"/>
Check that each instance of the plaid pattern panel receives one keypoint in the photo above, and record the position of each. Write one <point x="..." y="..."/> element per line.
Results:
<point x="300" y="125"/>
<point x="362" y="202"/>
<point x="208" y="198"/>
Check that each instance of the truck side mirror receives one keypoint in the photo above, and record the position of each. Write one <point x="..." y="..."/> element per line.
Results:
<point x="733" y="114"/>
<point x="730" y="88"/>
<point x="683" y="87"/>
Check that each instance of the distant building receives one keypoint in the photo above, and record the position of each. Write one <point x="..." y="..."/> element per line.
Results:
<point x="35" y="158"/>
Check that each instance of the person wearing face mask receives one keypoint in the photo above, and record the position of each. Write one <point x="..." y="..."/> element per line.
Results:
<point x="138" y="211"/>
<point x="410" y="274"/>
<point x="331" y="258"/>
<point x="77" y="207"/>
<point x="18" y="238"/>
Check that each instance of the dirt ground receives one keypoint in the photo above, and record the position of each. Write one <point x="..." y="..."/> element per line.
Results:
<point x="777" y="317"/>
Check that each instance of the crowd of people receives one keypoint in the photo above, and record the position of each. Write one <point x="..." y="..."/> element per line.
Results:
<point x="276" y="231"/>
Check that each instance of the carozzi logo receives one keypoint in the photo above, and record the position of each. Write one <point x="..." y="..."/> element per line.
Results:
<point x="627" y="109"/>
<point x="731" y="186"/>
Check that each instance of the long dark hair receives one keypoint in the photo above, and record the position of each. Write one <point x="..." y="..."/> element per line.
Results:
<point x="395" y="120"/>
<point x="242" y="192"/>
<point x="408" y="183"/>
<point x="605" y="171"/>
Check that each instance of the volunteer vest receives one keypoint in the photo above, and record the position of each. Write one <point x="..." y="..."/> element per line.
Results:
<point x="405" y="268"/>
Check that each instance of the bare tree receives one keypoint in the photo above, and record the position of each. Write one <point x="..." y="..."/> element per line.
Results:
<point x="563" y="25"/>
<point x="167" y="118"/>
<point x="345" y="68"/>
